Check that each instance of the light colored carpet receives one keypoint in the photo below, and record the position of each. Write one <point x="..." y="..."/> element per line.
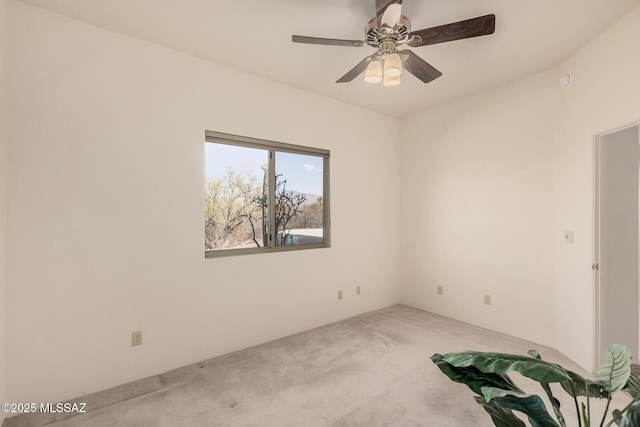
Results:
<point x="371" y="370"/>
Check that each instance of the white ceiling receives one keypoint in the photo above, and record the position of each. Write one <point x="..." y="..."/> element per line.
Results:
<point x="255" y="36"/>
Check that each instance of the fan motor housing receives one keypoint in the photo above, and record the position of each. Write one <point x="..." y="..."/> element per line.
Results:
<point x="398" y="34"/>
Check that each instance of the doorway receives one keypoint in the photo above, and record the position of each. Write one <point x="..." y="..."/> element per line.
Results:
<point x="617" y="239"/>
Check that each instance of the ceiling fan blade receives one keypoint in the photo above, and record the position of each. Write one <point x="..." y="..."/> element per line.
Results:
<point x="388" y="12"/>
<point x="328" y="42"/>
<point x="419" y="67"/>
<point x="475" y="27"/>
<point x="355" y="71"/>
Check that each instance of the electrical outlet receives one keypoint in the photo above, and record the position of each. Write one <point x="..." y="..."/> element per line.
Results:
<point x="339" y="295"/>
<point x="440" y="290"/>
<point x="568" y="236"/>
<point x="136" y="338"/>
<point x="487" y="300"/>
<point x="358" y="290"/>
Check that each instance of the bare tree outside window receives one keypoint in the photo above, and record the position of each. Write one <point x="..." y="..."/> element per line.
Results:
<point x="231" y="215"/>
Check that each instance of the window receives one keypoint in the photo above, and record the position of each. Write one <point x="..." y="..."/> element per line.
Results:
<point x="264" y="196"/>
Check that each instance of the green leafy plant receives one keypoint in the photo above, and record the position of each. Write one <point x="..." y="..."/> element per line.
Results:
<point x="487" y="375"/>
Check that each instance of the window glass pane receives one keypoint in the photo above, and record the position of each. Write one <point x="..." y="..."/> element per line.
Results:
<point x="298" y="199"/>
<point x="236" y="208"/>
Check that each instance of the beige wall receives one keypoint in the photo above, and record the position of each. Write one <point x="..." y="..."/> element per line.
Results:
<point x="478" y="208"/>
<point x="106" y="211"/>
<point x="4" y="103"/>
<point x="496" y="178"/>
<point x="605" y="95"/>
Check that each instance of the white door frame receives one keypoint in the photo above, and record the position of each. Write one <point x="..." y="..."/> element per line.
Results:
<point x="598" y="294"/>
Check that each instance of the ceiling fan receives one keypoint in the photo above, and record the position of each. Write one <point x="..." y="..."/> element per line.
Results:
<point x="389" y="30"/>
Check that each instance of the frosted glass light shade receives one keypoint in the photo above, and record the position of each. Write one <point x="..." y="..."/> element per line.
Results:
<point x="392" y="81"/>
<point x="374" y="72"/>
<point x="392" y="65"/>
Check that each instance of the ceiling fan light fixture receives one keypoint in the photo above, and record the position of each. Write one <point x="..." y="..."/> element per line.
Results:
<point x="388" y="31"/>
<point x="374" y="72"/>
<point x="392" y="81"/>
<point x="392" y="65"/>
